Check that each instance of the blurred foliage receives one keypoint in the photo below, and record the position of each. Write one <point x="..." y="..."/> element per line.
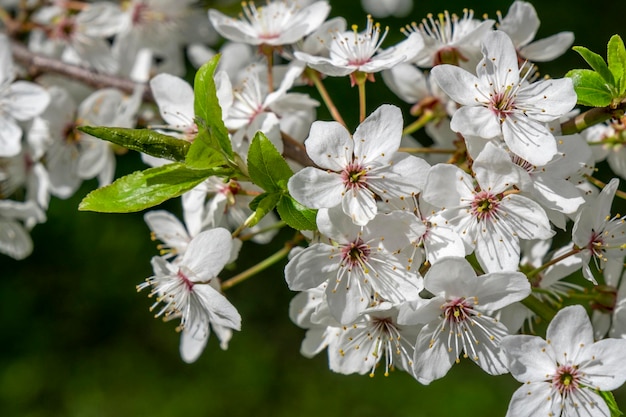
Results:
<point x="78" y="341"/>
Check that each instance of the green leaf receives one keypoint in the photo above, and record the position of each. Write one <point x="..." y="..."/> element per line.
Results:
<point x="144" y="189"/>
<point x="610" y="401"/>
<point x="596" y="62"/>
<point x="208" y="116"/>
<point x="295" y="214"/>
<point x="266" y="166"/>
<point x="142" y="140"/>
<point x="591" y="88"/>
<point x="204" y="152"/>
<point x="263" y="204"/>
<point x="616" y="55"/>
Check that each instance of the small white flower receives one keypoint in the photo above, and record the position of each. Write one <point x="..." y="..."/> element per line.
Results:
<point x="561" y="375"/>
<point x="450" y="39"/>
<point x="499" y="103"/>
<point x="489" y="217"/>
<point x="375" y="337"/>
<point x="458" y="320"/>
<point x="190" y="291"/>
<point x="277" y="23"/>
<point x="358" y="264"/>
<point x="354" y="51"/>
<point x="356" y="169"/>
<point x="597" y="233"/>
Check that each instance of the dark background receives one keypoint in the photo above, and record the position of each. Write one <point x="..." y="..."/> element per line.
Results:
<point x="78" y="341"/>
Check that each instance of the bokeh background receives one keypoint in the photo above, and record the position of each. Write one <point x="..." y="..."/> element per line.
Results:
<point x="76" y="340"/>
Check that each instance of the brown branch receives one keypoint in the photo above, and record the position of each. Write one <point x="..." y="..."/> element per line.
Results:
<point x="295" y="150"/>
<point x="37" y="64"/>
<point x="591" y="117"/>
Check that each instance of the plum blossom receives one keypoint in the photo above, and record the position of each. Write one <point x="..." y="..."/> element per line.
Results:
<point x="492" y="216"/>
<point x="458" y="319"/>
<point x="354" y="51"/>
<point x="359" y="264"/>
<point x="356" y="169"/>
<point x="498" y="103"/>
<point x="190" y="291"/>
<point x="374" y="338"/>
<point x="450" y="39"/>
<point x="277" y="23"/>
<point x="562" y="374"/>
<point x="597" y="234"/>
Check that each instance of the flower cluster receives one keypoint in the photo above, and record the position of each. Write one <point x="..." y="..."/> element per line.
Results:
<point x="411" y="262"/>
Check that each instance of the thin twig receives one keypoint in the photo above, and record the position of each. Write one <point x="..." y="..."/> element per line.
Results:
<point x="37" y="64"/>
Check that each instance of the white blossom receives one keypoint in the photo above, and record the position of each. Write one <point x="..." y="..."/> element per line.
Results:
<point x="562" y="373"/>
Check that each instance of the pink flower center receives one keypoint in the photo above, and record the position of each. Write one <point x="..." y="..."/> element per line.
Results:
<point x="566" y="379"/>
<point x="188" y="283"/>
<point x="485" y="205"/>
<point x="502" y="104"/>
<point x="354" y="176"/>
<point x="356" y="253"/>
<point x="457" y="310"/>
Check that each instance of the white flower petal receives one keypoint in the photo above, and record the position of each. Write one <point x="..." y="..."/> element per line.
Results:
<point x="476" y="121"/>
<point x="530" y="357"/>
<point x="360" y="205"/>
<point x="174" y="96"/>
<point x="207" y="254"/>
<point x="25" y="100"/>
<point x="531" y="400"/>
<point x="378" y="136"/>
<point x="14" y="240"/>
<point x="315" y="188"/>
<point x="10" y="137"/>
<point x="549" y="48"/>
<point x="329" y="145"/>
<point x="460" y="85"/>
<point x="311" y="267"/>
<point x="569" y="332"/>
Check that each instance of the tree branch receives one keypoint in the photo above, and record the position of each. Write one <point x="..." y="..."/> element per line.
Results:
<point x="37" y="64"/>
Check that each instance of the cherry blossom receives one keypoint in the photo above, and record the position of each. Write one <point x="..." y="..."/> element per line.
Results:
<point x="276" y="23"/>
<point x="492" y="216"/>
<point x="357" y="264"/>
<point x="356" y="169"/>
<point x="458" y="320"/>
<point x="189" y="291"/>
<point x="562" y="373"/>
<point x="450" y="39"/>
<point x="498" y="102"/>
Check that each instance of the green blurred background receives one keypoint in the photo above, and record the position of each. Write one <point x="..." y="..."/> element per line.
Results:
<point x="78" y="341"/>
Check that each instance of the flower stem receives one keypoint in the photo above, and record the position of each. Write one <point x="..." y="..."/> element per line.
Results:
<point x="315" y="77"/>
<point x="556" y="260"/>
<point x="419" y="123"/>
<point x="261" y="265"/>
<point x="600" y="184"/>
<point x="591" y="117"/>
<point x="361" y="85"/>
